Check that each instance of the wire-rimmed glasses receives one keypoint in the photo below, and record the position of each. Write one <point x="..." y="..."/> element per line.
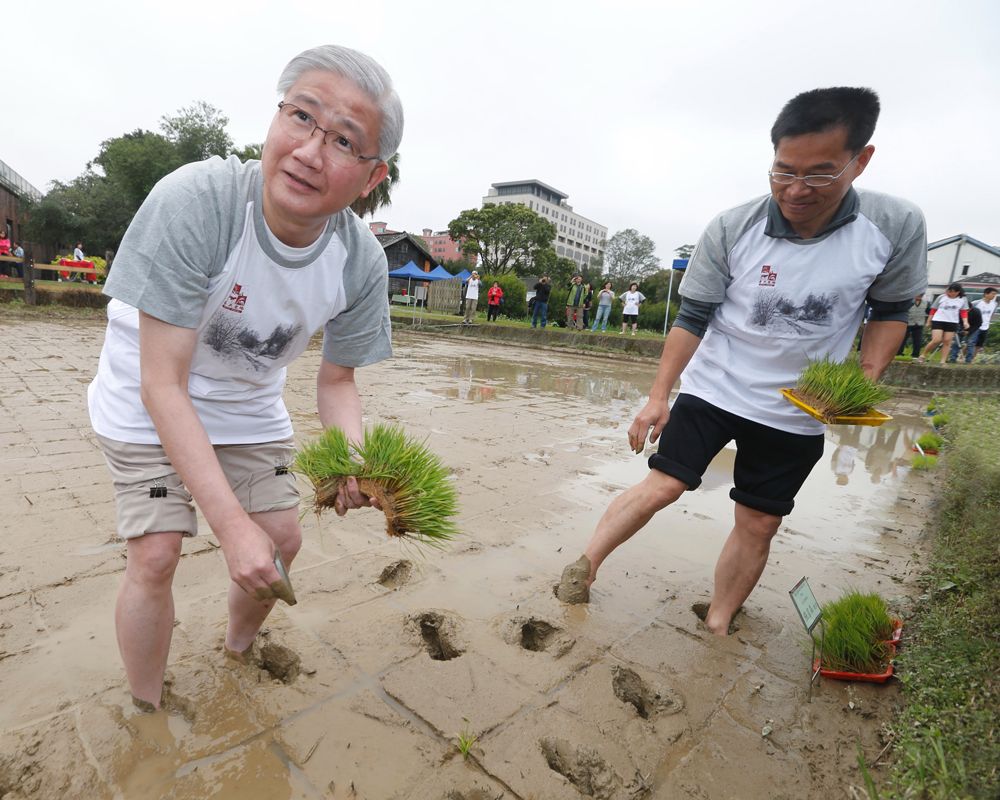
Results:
<point x="301" y="125"/>
<point x="815" y="181"/>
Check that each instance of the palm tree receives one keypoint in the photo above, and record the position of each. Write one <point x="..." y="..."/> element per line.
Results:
<point x="380" y="196"/>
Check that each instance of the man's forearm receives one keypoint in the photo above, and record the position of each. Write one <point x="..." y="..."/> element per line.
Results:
<point x="879" y="345"/>
<point x="339" y="406"/>
<point x="677" y="351"/>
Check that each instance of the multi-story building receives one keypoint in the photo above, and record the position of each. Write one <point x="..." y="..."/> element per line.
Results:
<point x="442" y="246"/>
<point x="577" y="237"/>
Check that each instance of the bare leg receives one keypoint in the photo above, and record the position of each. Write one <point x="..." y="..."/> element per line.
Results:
<point x="933" y="344"/>
<point x="946" y="347"/>
<point x="740" y="565"/>
<point x="246" y="614"/>
<point x="628" y="513"/>
<point x="144" y="613"/>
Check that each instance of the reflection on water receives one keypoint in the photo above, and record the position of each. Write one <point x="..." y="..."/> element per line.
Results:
<point x="480" y="379"/>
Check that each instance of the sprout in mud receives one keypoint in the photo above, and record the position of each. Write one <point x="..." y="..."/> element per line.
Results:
<point x="839" y="389"/>
<point x="924" y="462"/>
<point x="409" y="482"/>
<point x="930" y="441"/>
<point x="857" y="629"/>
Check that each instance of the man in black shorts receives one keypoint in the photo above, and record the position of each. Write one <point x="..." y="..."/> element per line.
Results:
<point x="772" y="284"/>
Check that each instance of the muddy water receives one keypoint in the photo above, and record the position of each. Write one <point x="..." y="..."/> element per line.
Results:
<point x="398" y="650"/>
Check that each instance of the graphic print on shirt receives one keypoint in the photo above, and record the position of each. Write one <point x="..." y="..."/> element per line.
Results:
<point x="779" y="313"/>
<point x="233" y="341"/>
<point x="768" y="276"/>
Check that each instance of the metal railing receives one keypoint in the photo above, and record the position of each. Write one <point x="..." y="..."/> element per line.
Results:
<point x="17" y="184"/>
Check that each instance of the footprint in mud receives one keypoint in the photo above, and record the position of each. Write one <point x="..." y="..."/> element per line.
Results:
<point x="396" y="574"/>
<point x="472" y="794"/>
<point x="582" y="767"/>
<point x="438" y="634"/>
<point x="278" y="661"/>
<point x="700" y="610"/>
<point x="538" y="636"/>
<point x="648" y="702"/>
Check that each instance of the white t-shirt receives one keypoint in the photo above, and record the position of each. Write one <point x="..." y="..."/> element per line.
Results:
<point x="199" y="255"/>
<point x="631" y="301"/>
<point x="948" y="308"/>
<point x="472" y="290"/>
<point x="77" y="254"/>
<point x="987" y="310"/>
<point x="784" y="301"/>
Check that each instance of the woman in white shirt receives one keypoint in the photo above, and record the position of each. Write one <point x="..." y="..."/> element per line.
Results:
<point x="630" y="313"/>
<point x="948" y="311"/>
<point x="471" y="298"/>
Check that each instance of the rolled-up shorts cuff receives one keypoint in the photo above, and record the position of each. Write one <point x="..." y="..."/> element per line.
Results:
<point x="670" y="467"/>
<point x="778" y="508"/>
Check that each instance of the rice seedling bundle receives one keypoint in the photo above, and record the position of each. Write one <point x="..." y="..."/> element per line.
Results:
<point x="930" y="441"/>
<point x="857" y="627"/>
<point x="924" y="462"/>
<point x="839" y="389"/>
<point x="409" y="482"/>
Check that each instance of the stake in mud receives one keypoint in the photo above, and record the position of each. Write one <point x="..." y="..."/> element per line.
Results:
<point x="408" y="481"/>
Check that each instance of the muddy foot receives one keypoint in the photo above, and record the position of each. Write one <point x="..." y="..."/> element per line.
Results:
<point x="700" y="610"/>
<point x="573" y="586"/>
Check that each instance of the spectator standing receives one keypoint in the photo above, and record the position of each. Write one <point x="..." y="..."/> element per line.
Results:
<point x="587" y="300"/>
<point x="18" y="254"/>
<point x="494" y="297"/>
<point x="471" y="297"/>
<point x="987" y="306"/>
<point x="949" y="311"/>
<point x="916" y="319"/>
<point x="966" y="338"/>
<point x="605" y="298"/>
<point x="630" y="313"/>
<point x="540" y="311"/>
<point x="574" y="303"/>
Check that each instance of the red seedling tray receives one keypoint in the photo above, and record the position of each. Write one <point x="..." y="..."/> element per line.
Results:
<point x="865" y="677"/>
<point x="897" y="633"/>
<point x="928" y="451"/>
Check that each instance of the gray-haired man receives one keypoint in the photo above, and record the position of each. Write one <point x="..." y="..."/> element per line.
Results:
<point x="222" y="278"/>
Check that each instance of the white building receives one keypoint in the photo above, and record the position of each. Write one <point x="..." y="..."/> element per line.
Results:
<point x="577" y="237"/>
<point x="957" y="259"/>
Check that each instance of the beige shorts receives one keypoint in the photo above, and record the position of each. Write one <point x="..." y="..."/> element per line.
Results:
<point x="151" y="498"/>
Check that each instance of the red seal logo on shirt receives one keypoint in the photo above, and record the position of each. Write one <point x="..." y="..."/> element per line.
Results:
<point x="236" y="299"/>
<point x="768" y="276"/>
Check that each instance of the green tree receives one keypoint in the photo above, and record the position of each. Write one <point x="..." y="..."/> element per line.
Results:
<point x="134" y="162"/>
<point x="249" y="152"/>
<point x="507" y="238"/>
<point x="684" y="251"/>
<point x="630" y="256"/>
<point x="381" y="195"/>
<point x="198" y="132"/>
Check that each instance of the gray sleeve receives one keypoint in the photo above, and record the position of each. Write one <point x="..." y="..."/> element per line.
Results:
<point x="707" y="276"/>
<point x="886" y="311"/>
<point x="362" y="334"/>
<point x="694" y="316"/>
<point x="905" y="274"/>
<point x="178" y="240"/>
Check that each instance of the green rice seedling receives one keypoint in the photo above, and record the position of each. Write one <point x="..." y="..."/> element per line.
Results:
<point x="856" y="629"/>
<point x="939" y="420"/>
<point x="839" y="389"/>
<point x="930" y="441"/>
<point x="409" y="482"/>
<point x="924" y="462"/>
<point x="466" y="740"/>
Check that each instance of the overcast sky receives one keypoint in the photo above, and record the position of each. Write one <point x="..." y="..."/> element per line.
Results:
<point x="649" y="115"/>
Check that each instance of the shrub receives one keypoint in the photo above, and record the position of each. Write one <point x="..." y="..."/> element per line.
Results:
<point x="515" y="304"/>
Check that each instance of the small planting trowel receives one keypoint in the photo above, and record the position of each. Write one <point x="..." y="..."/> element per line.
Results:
<point x="282" y="589"/>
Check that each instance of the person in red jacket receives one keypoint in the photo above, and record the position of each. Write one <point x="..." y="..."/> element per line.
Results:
<point x="494" y="297"/>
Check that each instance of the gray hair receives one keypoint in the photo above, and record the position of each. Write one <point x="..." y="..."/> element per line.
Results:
<point x="366" y="73"/>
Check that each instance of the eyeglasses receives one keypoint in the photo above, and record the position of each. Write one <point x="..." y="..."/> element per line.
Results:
<point x="337" y="148"/>
<point x="816" y="181"/>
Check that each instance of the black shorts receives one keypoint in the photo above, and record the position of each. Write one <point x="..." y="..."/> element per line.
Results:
<point x="947" y="327"/>
<point x="630" y="317"/>
<point x="771" y="465"/>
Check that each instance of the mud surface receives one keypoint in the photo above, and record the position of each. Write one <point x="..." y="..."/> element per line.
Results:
<point x="361" y="690"/>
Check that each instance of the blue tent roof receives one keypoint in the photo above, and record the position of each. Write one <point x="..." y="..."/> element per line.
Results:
<point x="411" y="270"/>
<point x="440" y="273"/>
<point x="464" y="275"/>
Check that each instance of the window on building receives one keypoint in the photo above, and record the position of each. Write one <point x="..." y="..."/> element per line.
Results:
<point x="965" y="269"/>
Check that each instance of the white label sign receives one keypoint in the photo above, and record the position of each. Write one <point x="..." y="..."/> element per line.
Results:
<point x="805" y="603"/>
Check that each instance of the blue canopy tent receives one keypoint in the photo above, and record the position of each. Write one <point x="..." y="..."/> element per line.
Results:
<point x="464" y="275"/>
<point x="410" y="271"/>
<point x="440" y="273"/>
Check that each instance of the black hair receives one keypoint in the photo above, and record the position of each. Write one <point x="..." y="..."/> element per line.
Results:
<point x="990" y="289"/>
<point x="956" y="287"/>
<point x="820" y="110"/>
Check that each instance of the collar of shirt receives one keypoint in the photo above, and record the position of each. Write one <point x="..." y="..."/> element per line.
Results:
<point x="777" y="227"/>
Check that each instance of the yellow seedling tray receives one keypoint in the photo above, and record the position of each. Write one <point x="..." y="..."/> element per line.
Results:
<point x="871" y="417"/>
